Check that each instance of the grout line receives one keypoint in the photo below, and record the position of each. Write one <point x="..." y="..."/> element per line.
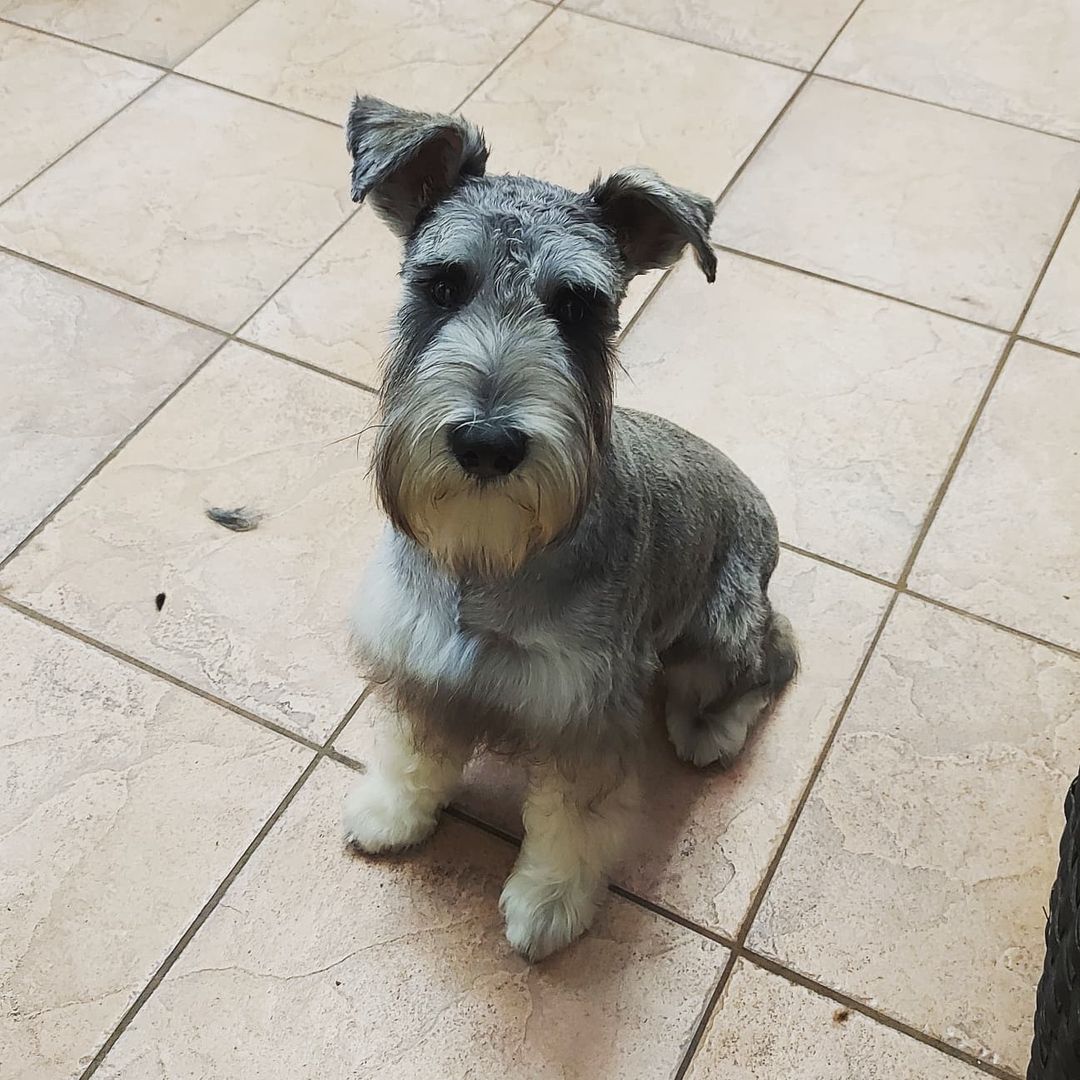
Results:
<point x="716" y="202"/>
<point x="740" y="252"/>
<point x="326" y="240"/>
<point x="151" y="669"/>
<point x="815" y="772"/>
<point x="205" y="912"/>
<point x="89" y="135"/>
<point x="1046" y="263"/>
<point x="706" y="1016"/>
<point x="667" y="35"/>
<point x="778" y="854"/>
<point x="644" y="304"/>
<point x="214" y="33"/>
<point x="9" y="21"/>
<point x="84" y="280"/>
<point x="672" y="916"/>
<point x="984" y="400"/>
<point x="543" y="18"/>
<point x="1046" y="345"/>
<point x="948" y="108"/>
<point x="954" y="465"/>
<point x="837" y="565"/>
<point x="321" y="751"/>
<point x="36" y="530"/>
<point x="258" y="100"/>
<point x="306" y="364"/>
<point x="900" y="588"/>
<point x="744" y="929"/>
<point x="670" y="36"/>
<point x="552" y="8"/>
<point x="855" y="1005"/>
<point x="228" y="335"/>
<point x="926" y="598"/>
<point x="1034" y="639"/>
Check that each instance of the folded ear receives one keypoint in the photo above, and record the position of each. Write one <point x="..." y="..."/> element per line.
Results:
<point x="653" y="221"/>
<point x="407" y="161"/>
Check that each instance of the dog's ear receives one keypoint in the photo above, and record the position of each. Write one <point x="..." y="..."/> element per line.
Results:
<point x="407" y="161"/>
<point x="653" y="221"/>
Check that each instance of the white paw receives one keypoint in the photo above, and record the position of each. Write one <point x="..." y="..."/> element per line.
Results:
<point x="380" y="816"/>
<point x="543" y="916"/>
<point x="717" y="737"/>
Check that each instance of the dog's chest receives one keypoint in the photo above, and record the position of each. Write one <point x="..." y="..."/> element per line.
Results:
<point x="501" y="646"/>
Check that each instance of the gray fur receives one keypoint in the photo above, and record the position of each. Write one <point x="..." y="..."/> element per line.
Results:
<point x="237" y="519"/>
<point x="529" y="609"/>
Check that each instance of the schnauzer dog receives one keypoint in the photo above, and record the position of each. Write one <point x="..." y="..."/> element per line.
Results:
<point x="547" y="554"/>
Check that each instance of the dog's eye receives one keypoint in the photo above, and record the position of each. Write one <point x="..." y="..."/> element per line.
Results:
<point x="442" y="292"/>
<point x="569" y="307"/>
<point x="447" y="287"/>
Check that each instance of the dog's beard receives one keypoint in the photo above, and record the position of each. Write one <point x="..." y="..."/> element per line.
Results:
<point x="485" y="527"/>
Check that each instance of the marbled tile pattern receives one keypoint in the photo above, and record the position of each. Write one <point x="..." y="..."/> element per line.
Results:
<point x="192" y="315"/>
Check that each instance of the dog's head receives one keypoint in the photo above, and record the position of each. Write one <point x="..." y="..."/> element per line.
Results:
<point x="497" y="389"/>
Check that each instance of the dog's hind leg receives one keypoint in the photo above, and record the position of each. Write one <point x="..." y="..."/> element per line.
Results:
<point x="712" y="705"/>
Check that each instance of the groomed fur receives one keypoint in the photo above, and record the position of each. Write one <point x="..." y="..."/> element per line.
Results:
<point x="526" y="605"/>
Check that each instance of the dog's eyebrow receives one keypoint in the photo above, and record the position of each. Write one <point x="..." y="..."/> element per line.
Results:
<point x="583" y="286"/>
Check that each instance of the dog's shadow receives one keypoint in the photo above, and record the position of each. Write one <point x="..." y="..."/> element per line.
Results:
<point x="677" y="861"/>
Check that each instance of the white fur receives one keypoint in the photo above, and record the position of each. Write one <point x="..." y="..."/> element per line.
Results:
<point x="396" y="802"/>
<point x="575" y="831"/>
<point x="412" y="623"/>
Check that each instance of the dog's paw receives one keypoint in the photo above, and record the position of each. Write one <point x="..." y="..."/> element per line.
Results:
<point x="380" y="817"/>
<point x="542" y="916"/>
<point x="717" y="737"/>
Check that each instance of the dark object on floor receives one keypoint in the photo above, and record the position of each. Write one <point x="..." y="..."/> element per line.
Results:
<point x="239" y="519"/>
<point x="1055" y="1050"/>
<point x="841" y="1016"/>
<point x="159" y="600"/>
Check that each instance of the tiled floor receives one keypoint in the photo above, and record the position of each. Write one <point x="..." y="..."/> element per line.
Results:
<point x="191" y="316"/>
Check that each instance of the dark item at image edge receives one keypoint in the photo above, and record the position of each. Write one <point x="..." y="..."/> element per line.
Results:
<point x="1055" y="1050"/>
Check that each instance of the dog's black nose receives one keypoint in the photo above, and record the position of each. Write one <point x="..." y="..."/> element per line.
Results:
<point x="487" y="450"/>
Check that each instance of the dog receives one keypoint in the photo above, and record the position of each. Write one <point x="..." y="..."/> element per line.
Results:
<point x="547" y="555"/>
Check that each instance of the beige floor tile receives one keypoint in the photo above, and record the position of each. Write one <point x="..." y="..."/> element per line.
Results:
<point x="766" y="1028"/>
<point x="79" y="368"/>
<point x="947" y="210"/>
<point x="315" y="56"/>
<point x="193" y="198"/>
<point x="126" y="802"/>
<point x="337" y="312"/>
<point x="1054" y="316"/>
<point x="917" y="876"/>
<point x="712" y="834"/>
<point x="583" y="96"/>
<point x="54" y="94"/>
<point x="1014" y="61"/>
<point x="161" y="31"/>
<point x="845" y="408"/>
<point x="786" y="31"/>
<point x="256" y="617"/>
<point x="323" y="963"/>
<point x="1006" y="540"/>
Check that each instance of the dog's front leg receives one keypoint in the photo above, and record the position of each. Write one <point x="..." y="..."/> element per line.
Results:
<point x="576" y="823"/>
<point x="396" y="802"/>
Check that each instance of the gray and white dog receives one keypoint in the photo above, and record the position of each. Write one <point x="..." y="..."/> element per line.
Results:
<point x="547" y="554"/>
